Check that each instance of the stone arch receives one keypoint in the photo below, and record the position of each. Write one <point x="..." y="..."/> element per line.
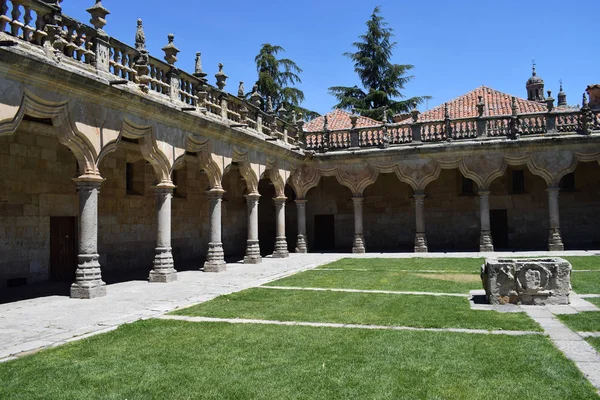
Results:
<point x="356" y="177"/>
<point x="303" y="179"/>
<point x="483" y="169"/>
<point x="148" y="147"/>
<point x="247" y="170"/>
<point x="552" y="165"/>
<point x="274" y="175"/>
<point x="67" y="133"/>
<point x="418" y="173"/>
<point x="206" y="160"/>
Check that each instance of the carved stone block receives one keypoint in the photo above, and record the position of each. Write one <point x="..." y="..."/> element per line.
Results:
<point x="539" y="281"/>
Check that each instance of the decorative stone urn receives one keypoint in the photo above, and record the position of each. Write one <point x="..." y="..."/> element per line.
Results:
<point x="539" y="281"/>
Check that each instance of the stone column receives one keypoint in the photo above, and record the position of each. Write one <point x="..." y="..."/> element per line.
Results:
<point x="88" y="280"/>
<point x="215" y="260"/>
<point x="252" y="246"/>
<point x="420" y="238"/>
<point x="485" y="239"/>
<point x="301" y="246"/>
<point x="281" y="247"/>
<point x="554" y="240"/>
<point x="359" y="245"/>
<point x="163" y="270"/>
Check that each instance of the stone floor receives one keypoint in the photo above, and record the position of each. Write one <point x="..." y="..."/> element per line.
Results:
<point x="29" y="325"/>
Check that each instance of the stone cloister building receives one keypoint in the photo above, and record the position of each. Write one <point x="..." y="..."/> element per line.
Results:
<point x="113" y="160"/>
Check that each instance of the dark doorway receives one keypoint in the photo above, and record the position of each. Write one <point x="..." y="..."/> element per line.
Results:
<point x="499" y="228"/>
<point x="63" y="248"/>
<point x="324" y="232"/>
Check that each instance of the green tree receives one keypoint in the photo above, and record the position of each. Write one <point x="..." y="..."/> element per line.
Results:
<point x="382" y="81"/>
<point x="276" y="77"/>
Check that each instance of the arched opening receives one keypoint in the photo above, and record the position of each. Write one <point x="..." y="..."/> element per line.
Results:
<point x="291" y="218"/>
<point x="190" y="207"/>
<point x="389" y="215"/>
<point x="234" y="214"/>
<point x="39" y="209"/>
<point x="519" y="210"/>
<point x="579" y="201"/>
<point x="266" y="216"/>
<point x="330" y="217"/>
<point x="452" y="221"/>
<point x="127" y="222"/>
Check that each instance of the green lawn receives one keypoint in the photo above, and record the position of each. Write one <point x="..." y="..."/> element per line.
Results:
<point x="588" y="321"/>
<point x="594" y="300"/>
<point x="594" y="342"/>
<point x="384" y="280"/>
<point x="358" y="308"/>
<point x="157" y="359"/>
<point x="469" y="265"/>
<point x="586" y="282"/>
<point x="585" y="262"/>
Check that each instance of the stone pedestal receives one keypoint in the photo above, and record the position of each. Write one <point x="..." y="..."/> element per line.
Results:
<point x="420" y="237"/>
<point x="301" y="246"/>
<point x="88" y="280"/>
<point x="358" y="245"/>
<point x="281" y="247"/>
<point x="163" y="270"/>
<point x="554" y="239"/>
<point x="215" y="259"/>
<point x="540" y="281"/>
<point x="485" y="238"/>
<point x="252" y="246"/>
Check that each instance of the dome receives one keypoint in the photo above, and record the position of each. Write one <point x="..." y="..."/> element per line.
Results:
<point x="535" y="80"/>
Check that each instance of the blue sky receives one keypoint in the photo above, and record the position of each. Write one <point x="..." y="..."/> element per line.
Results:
<point x="455" y="46"/>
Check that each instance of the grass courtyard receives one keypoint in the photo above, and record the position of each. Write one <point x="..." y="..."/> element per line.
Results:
<point x="160" y="359"/>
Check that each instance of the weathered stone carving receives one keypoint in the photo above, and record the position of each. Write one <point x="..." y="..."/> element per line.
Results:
<point x="527" y="281"/>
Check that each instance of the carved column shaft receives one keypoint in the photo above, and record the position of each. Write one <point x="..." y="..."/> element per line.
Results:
<point x="420" y="237"/>
<point x="301" y="246"/>
<point x="485" y="239"/>
<point x="359" y="244"/>
<point x="215" y="260"/>
<point x="88" y="280"/>
<point x="252" y="245"/>
<point x="554" y="240"/>
<point x="281" y="248"/>
<point x="163" y="270"/>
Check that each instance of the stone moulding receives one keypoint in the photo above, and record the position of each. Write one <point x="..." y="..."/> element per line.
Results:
<point x="537" y="281"/>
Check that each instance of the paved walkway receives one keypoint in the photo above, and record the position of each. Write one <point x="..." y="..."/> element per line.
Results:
<point x="29" y="325"/>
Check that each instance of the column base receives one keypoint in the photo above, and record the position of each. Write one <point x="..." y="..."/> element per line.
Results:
<point x="215" y="260"/>
<point x="281" y="248"/>
<point x="485" y="242"/>
<point x="555" y="241"/>
<point x="88" y="292"/>
<point x="301" y="244"/>
<point x="420" y="243"/>
<point x="358" y="246"/>
<point x="252" y="253"/>
<point x="163" y="271"/>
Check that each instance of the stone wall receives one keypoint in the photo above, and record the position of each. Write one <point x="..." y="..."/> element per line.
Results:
<point x="35" y="184"/>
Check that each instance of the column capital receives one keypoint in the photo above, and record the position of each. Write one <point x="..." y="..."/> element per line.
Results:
<point x="252" y="196"/>
<point x="358" y="198"/>
<point x="164" y="187"/>
<point x="215" y="193"/>
<point x="483" y="192"/>
<point x="419" y="194"/>
<point x="89" y="180"/>
<point x="280" y="199"/>
<point x="553" y="190"/>
<point x="301" y="202"/>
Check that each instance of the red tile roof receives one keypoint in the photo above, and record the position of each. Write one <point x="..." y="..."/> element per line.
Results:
<point x="338" y="119"/>
<point x="465" y="106"/>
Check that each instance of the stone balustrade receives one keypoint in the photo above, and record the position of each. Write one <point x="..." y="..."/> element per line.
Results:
<point x="42" y="24"/>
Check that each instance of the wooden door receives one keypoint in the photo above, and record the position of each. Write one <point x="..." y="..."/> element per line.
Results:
<point x="499" y="229"/>
<point x="324" y="232"/>
<point x="63" y="248"/>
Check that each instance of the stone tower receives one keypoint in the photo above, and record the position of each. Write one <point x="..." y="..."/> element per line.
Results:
<point x="535" y="87"/>
<point x="562" y="96"/>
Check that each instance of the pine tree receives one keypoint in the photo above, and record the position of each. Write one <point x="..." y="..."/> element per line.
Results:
<point x="382" y="81"/>
<point x="276" y="78"/>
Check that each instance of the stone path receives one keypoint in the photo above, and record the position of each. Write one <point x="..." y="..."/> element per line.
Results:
<point x="572" y="344"/>
<point x="348" y="326"/>
<point x="365" y="291"/>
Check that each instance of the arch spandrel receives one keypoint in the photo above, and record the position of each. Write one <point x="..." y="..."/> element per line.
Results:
<point x="11" y="101"/>
<point x="303" y="179"/>
<point x="483" y="169"/>
<point x="552" y="165"/>
<point x="418" y="173"/>
<point x="356" y="177"/>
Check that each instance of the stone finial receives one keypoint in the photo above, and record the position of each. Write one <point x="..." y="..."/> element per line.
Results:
<point x="98" y="13"/>
<point x="281" y="111"/>
<point x="562" y="96"/>
<point x="171" y="51"/>
<point x="550" y="101"/>
<point x="325" y="123"/>
<point x="269" y="105"/>
<point x="584" y="101"/>
<point x="300" y="122"/>
<point x="255" y="97"/>
<point x="513" y="104"/>
<point x="480" y="106"/>
<point x="198" y="72"/>
<point x="354" y="117"/>
<point x="140" y="36"/>
<point x="294" y="118"/>
<point x="446" y="111"/>
<point x="384" y="115"/>
<point x="241" y="91"/>
<point x="415" y="113"/>
<point x="221" y="78"/>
